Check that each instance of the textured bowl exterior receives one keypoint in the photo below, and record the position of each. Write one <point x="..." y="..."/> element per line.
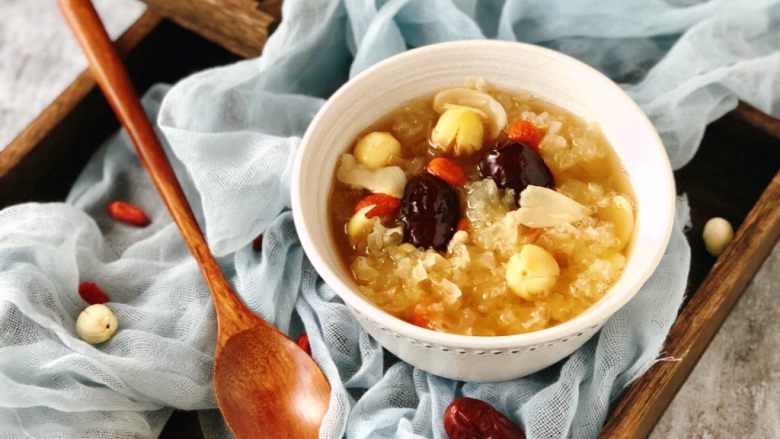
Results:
<point x="468" y="364"/>
<point x="547" y="74"/>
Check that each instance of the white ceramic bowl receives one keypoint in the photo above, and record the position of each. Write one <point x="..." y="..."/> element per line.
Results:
<point x="547" y="74"/>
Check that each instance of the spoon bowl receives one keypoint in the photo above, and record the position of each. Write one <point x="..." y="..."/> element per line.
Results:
<point x="266" y="386"/>
<point x="284" y="400"/>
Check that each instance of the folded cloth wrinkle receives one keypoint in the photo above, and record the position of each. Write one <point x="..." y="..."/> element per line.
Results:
<point x="232" y="133"/>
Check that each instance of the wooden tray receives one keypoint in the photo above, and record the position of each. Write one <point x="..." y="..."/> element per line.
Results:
<point x="735" y="175"/>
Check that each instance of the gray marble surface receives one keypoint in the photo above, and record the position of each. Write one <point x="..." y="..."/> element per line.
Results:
<point x="39" y="57"/>
<point x="734" y="392"/>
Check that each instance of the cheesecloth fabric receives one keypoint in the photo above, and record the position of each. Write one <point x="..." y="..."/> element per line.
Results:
<point x="232" y="133"/>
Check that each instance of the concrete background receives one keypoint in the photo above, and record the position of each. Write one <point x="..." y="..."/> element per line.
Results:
<point x="734" y="392"/>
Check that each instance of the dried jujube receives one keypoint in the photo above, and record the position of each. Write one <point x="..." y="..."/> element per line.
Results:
<point x="514" y="165"/>
<point x="430" y="211"/>
<point x="469" y="418"/>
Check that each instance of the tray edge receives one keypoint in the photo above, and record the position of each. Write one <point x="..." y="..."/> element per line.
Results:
<point x="52" y="115"/>
<point x="644" y="402"/>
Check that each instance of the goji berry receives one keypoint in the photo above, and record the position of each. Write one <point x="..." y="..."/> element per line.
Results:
<point x="303" y="343"/>
<point x="128" y="213"/>
<point x="463" y="225"/>
<point x="448" y="171"/>
<point x="257" y="243"/>
<point x="384" y="205"/>
<point x="420" y="316"/>
<point x="92" y="294"/>
<point x="419" y="320"/>
<point x="525" y="132"/>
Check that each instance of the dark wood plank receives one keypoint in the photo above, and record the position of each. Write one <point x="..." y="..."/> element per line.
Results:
<point x="758" y="119"/>
<point x="736" y="162"/>
<point x="735" y="175"/>
<point x="43" y="161"/>
<point x="182" y="425"/>
<point x="241" y="26"/>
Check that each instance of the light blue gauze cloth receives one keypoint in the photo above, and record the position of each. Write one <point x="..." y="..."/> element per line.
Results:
<point x="233" y="132"/>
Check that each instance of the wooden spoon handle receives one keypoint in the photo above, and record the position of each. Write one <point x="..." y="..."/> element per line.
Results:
<point x="111" y="76"/>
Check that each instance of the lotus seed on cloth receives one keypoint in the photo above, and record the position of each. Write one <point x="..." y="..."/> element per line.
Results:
<point x="232" y="133"/>
<point x="96" y="324"/>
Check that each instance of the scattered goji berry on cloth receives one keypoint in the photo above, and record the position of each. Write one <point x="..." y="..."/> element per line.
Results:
<point x="384" y="205"/>
<point x="128" y="213"/>
<point x="257" y="243"/>
<point x="448" y="171"/>
<point x="303" y="343"/>
<point x="525" y="132"/>
<point x="92" y="294"/>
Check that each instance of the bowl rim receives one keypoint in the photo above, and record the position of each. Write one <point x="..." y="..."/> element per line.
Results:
<point x="594" y="316"/>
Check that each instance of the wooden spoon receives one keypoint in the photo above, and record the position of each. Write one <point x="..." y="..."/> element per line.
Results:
<point x="266" y="386"/>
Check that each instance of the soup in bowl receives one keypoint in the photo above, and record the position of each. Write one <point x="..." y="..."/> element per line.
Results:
<point x="482" y="207"/>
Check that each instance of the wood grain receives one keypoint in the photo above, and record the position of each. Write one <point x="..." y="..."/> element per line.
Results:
<point x="44" y="160"/>
<point x="110" y="74"/>
<point x="241" y="26"/>
<point x="265" y="384"/>
<point x="758" y="119"/>
<point x="738" y="159"/>
<point x="58" y="143"/>
<point x="643" y="404"/>
<point x="30" y="137"/>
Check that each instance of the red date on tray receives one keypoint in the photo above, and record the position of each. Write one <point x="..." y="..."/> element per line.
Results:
<point x="469" y="418"/>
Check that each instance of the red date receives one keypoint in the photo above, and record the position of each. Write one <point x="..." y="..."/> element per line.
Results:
<point x="430" y="211"/>
<point x="515" y="165"/>
<point x="469" y="418"/>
